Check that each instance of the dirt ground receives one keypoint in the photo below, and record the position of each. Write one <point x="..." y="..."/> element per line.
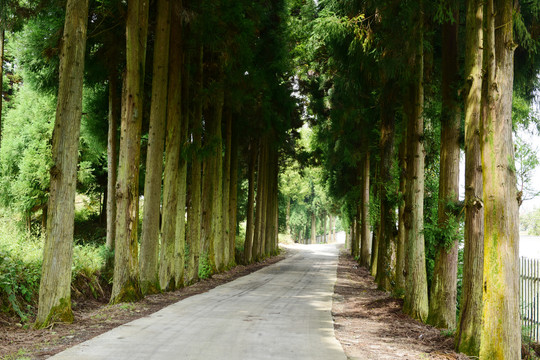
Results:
<point x="371" y="325"/>
<point x="368" y="323"/>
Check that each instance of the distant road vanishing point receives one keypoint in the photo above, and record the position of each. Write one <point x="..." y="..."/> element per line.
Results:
<point x="280" y="312"/>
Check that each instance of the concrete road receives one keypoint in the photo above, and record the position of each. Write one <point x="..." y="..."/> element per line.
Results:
<point x="279" y="312"/>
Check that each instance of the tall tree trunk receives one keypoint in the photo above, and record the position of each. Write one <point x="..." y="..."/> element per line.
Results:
<point x="233" y="202"/>
<point x="217" y="206"/>
<point x="180" y="242"/>
<point x="386" y="255"/>
<point x="126" y="286"/>
<point x="194" y="215"/>
<point x="399" y="288"/>
<point x="154" y="159"/>
<point x="168" y="276"/>
<point x="288" y="215"/>
<point x="470" y="317"/>
<point x="248" y="244"/>
<point x="324" y="227"/>
<point x="364" y="226"/>
<point x="262" y="189"/>
<point x="501" y="328"/>
<point x="313" y="238"/>
<point x="112" y="158"/>
<point x="55" y="286"/>
<point x="256" y="248"/>
<point x="416" y="295"/>
<point x="227" y="188"/>
<point x="442" y="305"/>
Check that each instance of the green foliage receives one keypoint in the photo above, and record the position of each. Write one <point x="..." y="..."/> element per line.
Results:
<point x="20" y="267"/>
<point x="205" y="269"/>
<point x="25" y="155"/>
<point x="530" y="222"/>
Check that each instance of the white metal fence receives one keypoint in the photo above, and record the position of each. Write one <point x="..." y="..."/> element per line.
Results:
<point x="530" y="296"/>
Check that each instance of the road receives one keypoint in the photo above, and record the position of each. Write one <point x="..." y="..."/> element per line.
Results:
<point x="280" y="312"/>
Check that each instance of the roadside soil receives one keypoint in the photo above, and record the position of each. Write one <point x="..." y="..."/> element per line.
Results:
<point x="94" y="317"/>
<point x="370" y="324"/>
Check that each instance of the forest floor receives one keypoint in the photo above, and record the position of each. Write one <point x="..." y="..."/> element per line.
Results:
<point x="370" y="324"/>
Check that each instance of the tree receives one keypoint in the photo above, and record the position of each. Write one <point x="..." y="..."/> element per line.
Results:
<point x="154" y="159"/>
<point x="470" y="317"/>
<point x="416" y="297"/>
<point x="501" y="330"/>
<point x="55" y="285"/>
<point x="126" y="286"/>
<point x="442" y="305"/>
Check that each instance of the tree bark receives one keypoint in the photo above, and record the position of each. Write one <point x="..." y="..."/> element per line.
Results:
<point x="386" y="255"/>
<point x="55" y="286"/>
<point x="501" y="328"/>
<point x="442" y="305"/>
<point x="168" y="274"/>
<point x="227" y="188"/>
<point x="112" y="158"/>
<point x="470" y="317"/>
<point x="194" y="215"/>
<point x="248" y="244"/>
<point x="313" y="238"/>
<point x="154" y="159"/>
<point x="400" y="252"/>
<point x="126" y="286"/>
<point x="416" y="295"/>
<point x="233" y="202"/>
<point x="364" y="225"/>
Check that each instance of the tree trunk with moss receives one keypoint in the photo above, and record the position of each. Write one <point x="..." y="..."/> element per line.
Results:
<point x="227" y="188"/>
<point x="248" y="243"/>
<point x="126" y="286"/>
<point x="443" y="297"/>
<point x="399" y="288"/>
<point x="194" y="213"/>
<point x="168" y="274"/>
<point x="364" y="225"/>
<point x="386" y="255"/>
<point x="501" y="325"/>
<point x="416" y="290"/>
<point x="112" y="159"/>
<point x="55" y="286"/>
<point x="233" y="201"/>
<point x="470" y="317"/>
<point x="154" y="159"/>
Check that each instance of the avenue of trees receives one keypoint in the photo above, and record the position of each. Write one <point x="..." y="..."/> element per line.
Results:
<point x="185" y="119"/>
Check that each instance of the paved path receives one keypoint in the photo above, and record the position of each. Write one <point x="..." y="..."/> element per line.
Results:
<point x="279" y="312"/>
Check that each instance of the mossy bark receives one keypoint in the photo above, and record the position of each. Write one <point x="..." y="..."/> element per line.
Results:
<point x="233" y="201"/>
<point x="443" y="296"/>
<point x="501" y="325"/>
<point x="227" y="188"/>
<point x="55" y="286"/>
<point x="470" y="317"/>
<point x="364" y="224"/>
<point x="112" y="158"/>
<point x="386" y="263"/>
<point x="194" y="212"/>
<point x="399" y="288"/>
<point x="416" y="291"/>
<point x="126" y="263"/>
<point x="154" y="159"/>
<point x="2" y="42"/>
<point x="248" y="243"/>
<point x="168" y="274"/>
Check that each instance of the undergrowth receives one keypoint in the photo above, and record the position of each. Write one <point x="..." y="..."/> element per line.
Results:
<point x="20" y="267"/>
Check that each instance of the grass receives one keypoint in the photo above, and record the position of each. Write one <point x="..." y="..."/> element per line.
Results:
<point x="20" y="266"/>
